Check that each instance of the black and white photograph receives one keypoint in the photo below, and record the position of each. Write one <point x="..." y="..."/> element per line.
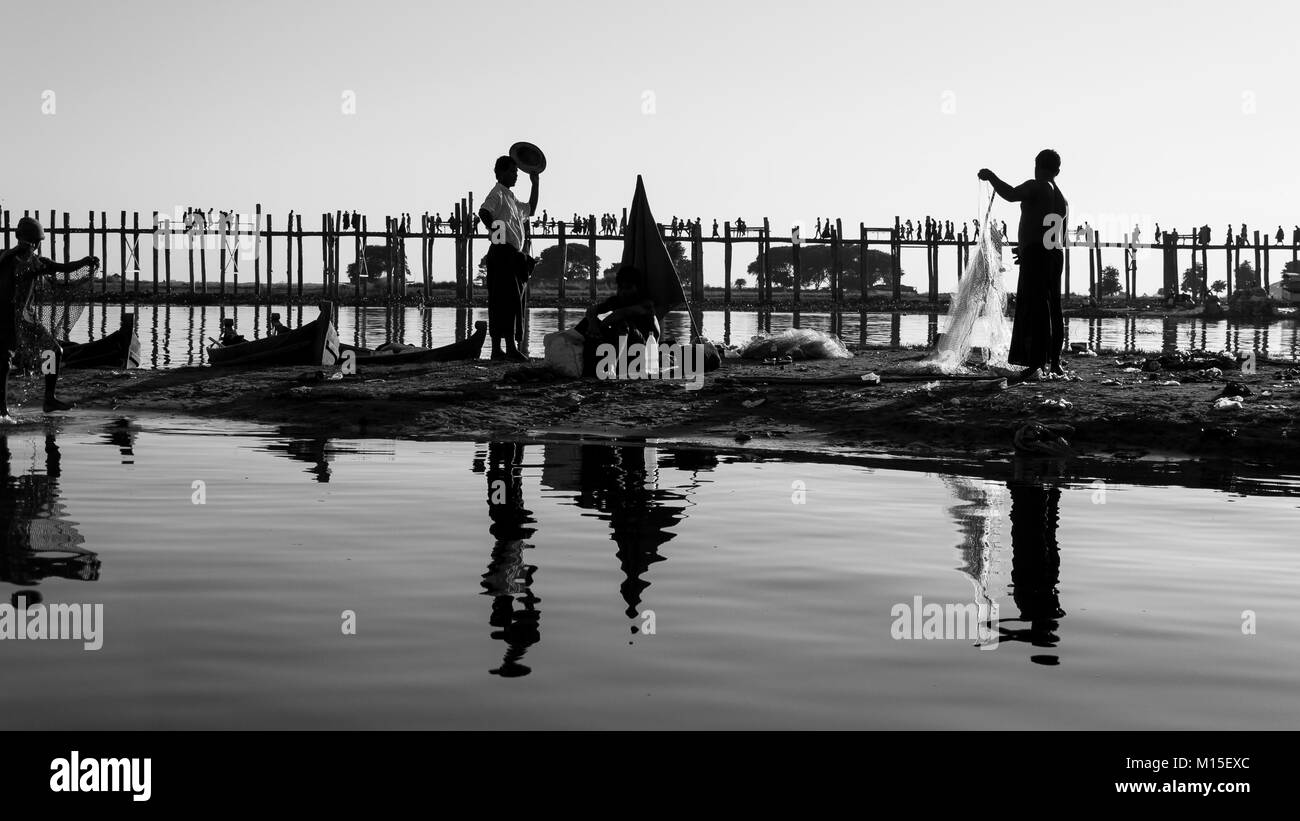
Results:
<point x="923" y="371"/>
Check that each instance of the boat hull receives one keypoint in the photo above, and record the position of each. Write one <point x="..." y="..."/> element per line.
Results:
<point x="468" y="349"/>
<point x="316" y="343"/>
<point x="120" y="349"/>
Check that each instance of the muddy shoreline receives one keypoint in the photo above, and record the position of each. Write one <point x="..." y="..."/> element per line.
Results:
<point x="1108" y="412"/>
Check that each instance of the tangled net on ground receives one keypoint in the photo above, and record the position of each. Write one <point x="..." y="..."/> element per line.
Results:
<point x="796" y="343"/>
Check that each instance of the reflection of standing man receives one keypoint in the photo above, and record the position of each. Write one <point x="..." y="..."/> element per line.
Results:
<point x="1036" y="559"/>
<point x="36" y="540"/>
<point x="508" y="267"/>
<point x="509" y="578"/>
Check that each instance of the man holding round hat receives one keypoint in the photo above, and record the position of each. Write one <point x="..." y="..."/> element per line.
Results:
<point x="19" y="268"/>
<point x="508" y="267"/>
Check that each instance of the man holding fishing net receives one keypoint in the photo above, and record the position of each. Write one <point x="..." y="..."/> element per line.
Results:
<point x="21" y="268"/>
<point x="1038" y="333"/>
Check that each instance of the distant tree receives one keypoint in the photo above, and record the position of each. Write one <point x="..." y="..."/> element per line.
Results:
<point x="1219" y="286"/>
<point x="578" y="264"/>
<point x="815" y="266"/>
<point x="677" y="253"/>
<point x="1245" y="276"/>
<point x="1192" y="279"/>
<point x="1110" y="284"/>
<point x="741" y="283"/>
<point x="1291" y="267"/>
<point x="376" y="259"/>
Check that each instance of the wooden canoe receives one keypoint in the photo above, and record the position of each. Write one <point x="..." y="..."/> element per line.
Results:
<point x="120" y="349"/>
<point x="470" y="348"/>
<point x="316" y="343"/>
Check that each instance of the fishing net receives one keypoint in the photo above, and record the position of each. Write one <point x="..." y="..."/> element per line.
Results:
<point x="982" y="506"/>
<point x="57" y="302"/>
<point x="980" y="303"/>
<point x="796" y="343"/>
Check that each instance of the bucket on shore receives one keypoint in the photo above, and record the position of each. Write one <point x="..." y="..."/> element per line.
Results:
<point x="564" y="351"/>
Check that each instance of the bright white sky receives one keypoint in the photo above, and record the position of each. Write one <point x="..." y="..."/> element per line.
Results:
<point x="790" y="111"/>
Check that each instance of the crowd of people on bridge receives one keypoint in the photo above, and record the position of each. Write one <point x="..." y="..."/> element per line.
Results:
<point x="925" y="229"/>
<point x="932" y="230"/>
<point x="1203" y="236"/>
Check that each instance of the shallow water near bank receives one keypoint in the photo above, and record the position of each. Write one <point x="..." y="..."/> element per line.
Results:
<point x="514" y="585"/>
<point x="177" y="336"/>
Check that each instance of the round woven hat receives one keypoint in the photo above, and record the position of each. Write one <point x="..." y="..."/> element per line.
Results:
<point x="528" y="157"/>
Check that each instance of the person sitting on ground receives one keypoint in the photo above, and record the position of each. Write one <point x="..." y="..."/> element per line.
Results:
<point x="278" y="327"/>
<point x="631" y="312"/>
<point x="20" y="267"/>
<point x="229" y="336"/>
<point x="630" y="318"/>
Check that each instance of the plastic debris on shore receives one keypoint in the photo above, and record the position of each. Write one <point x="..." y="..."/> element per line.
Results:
<point x="1235" y="389"/>
<point x="926" y="388"/>
<point x="796" y="343"/>
<point x="1227" y="403"/>
<point x="1207" y="375"/>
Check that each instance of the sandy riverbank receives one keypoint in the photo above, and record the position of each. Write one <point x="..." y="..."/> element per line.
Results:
<point x="1108" y="411"/>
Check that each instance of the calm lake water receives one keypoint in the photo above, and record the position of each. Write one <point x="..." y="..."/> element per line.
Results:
<point x="177" y="336"/>
<point x="498" y="585"/>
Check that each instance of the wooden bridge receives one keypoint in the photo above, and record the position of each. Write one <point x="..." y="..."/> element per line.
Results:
<point x="259" y="241"/>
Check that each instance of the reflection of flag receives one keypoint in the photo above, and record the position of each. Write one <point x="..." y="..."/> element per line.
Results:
<point x="644" y="248"/>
